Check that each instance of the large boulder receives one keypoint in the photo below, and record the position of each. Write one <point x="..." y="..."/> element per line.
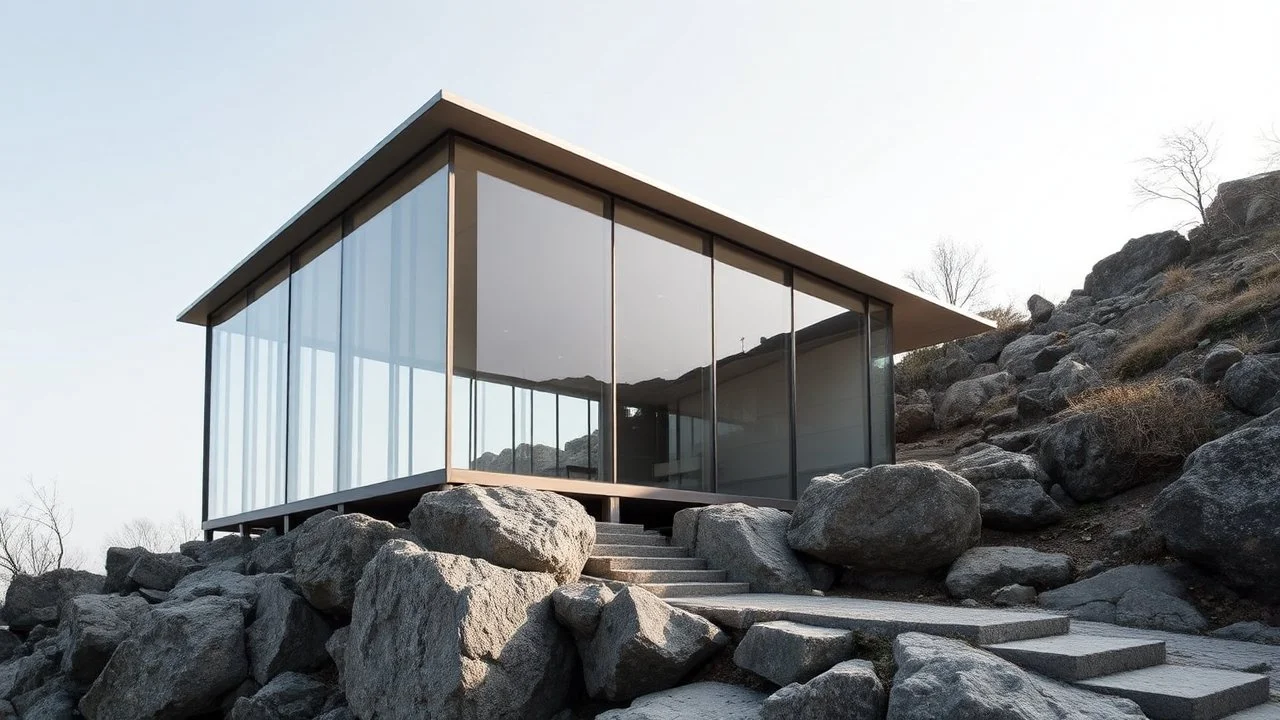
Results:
<point x="159" y="571"/>
<point x="216" y="583"/>
<point x="1224" y="511"/>
<point x="848" y="691"/>
<point x="330" y="556"/>
<point x="227" y="552"/>
<point x="1048" y="392"/>
<point x="1253" y="384"/>
<point x="1245" y="203"/>
<point x="1143" y="596"/>
<point x="508" y="526"/>
<point x="965" y="400"/>
<point x="1218" y="360"/>
<point x="53" y="700"/>
<point x="1019" y="357"/>
<point x="983" y="570"/>
<point x="120" y="561"/>
<point x="911" y="420"/>
<point x="287" y="634"/>
<point x="1140" y="259"/>
<point x="944" y="678"/>
<point x="749" y="543"/>
<point x="33" y="600"/>
<point x="632" y="643"/>
<point x="1040" y="308"/>
<point x="483" y="640"/>
<point x="913" y="517"/>
<point x="10" y="644"/>
<point x="1011" y="487"/>
<point x="93" y="627"/>
<point x="290" y="696"/>
<point x="27" y="673"/>
<point x="1083" y="457"/>
<point x="785" y="652"/>
<point x="178" y="664"/>
<point x="698" y="701"/>
<point x="985" y="348"/>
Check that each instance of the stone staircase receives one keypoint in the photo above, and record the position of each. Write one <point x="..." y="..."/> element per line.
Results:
<point x="1133" y="668"/>
<point x="629" y="553"/>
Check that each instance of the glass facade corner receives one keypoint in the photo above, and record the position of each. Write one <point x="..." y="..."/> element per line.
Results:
<point x="478" y="313"/>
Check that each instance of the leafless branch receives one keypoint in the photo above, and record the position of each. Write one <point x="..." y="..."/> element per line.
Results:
<point x="1181" y="172"/>
<point x="34" y="533"/>
<point x="1271" y="148"/>
<point x="957" y="274"/>
<point x="154" y="536"/>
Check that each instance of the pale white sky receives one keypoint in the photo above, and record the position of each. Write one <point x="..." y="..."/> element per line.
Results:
<point x="145" y="147"/>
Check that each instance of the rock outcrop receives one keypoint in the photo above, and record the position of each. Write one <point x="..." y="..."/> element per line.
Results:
<point x="33" y="600"/>
<point x="1140" y="259"/>
<point x="1011" y="487"/>
<point x="1253" y="384"/>
<point x="963" y="401"/>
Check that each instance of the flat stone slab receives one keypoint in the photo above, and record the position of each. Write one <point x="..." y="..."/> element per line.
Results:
<point x="1270" y="711"/>
<point x="1080" y="657"/>
<point x="784" y="652"/>
<point x="882" y="618"/>
<point x="1177" y="692"/>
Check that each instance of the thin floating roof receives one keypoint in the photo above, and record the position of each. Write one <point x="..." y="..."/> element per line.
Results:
<point x="918" y="321"/>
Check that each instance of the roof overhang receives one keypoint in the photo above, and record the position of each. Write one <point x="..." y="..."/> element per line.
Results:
<point x="918" y="321"/>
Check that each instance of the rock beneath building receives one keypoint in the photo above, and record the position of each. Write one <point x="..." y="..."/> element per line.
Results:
<point x="483" y="639"/>
<point x="33" y="600"/>
<point x="1253" y="384"/>
<point x="1011" y="595"/>
<point x="1219" y="359"/>
<point x="1018" y="357"/>
<point x="1011" y="487"/>
<point x="1250" y="631"/>
<point x="159" y="571"/>
<point x="963" y="401"/>
<point x="1223" y="513"/>
<point x="287" y="634"/>
<point x="1040" y="308"/>
<point x="912" y="517"/>
<point x="120" y="561"/>
<point x="748" y="543"/>
<point x="983" y="570"/>
<point x="1144" y="596"/>
<point x="925" y="687"/>
<point x="698" y="701"/>
<point x="226" y="548"/>
<point x="1140" y="259"/>
<point x="330" y="556"/>
<point x="272" y="553"/>
<point x="785" y="652"/>
<point x="848" y="691"/>
<point x="290" y="696"/>
<point x="93" y="626"/>
<point x="642" y="645"/>
<point x="510" y="527"/>
<point x="178" y="664"/>
<point x="214" y="582"/>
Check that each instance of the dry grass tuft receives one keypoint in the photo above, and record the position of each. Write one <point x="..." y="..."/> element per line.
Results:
<point x="912" y="372"/>
<point x="1007" y="317"/>
<point x="1175" y="280"/>
<point x="1176" y="333"/>
<point x="1159" y="424"/>
<point x="1247" y="344"/>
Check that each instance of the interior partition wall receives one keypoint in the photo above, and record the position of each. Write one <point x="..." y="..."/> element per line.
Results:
<point x="479" y="313"/>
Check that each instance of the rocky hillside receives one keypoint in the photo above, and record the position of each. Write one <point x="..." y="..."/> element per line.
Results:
<point x="1135" y="421"/>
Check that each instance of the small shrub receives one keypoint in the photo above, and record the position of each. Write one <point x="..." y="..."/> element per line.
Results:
<point x="1220" y="319"/>
<point x="1007" y="317"/>
<point x="1176" y="333"/>
<point x="1158" y="423"/>
<point x="1246" y="344"/>
<point x="912" y="372"/>
<point x="1175" y="280"/>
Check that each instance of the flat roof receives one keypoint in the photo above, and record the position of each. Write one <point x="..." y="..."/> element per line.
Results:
<point x="918" y="321"/>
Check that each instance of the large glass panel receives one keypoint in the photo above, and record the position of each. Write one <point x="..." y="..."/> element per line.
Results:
<point x="314" y="323"/>
<point x="831" y="381"/>
<point x="663" y="334"/>
<point x="532" y="356"/>
<point x="881" y="384"/>
<point x="227" y="412"/>
<point x="267" y="377"/>
<point x="394" y="293"/>
<point x="753" y="405"/>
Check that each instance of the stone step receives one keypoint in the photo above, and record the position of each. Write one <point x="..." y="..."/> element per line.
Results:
<point x="669" y="576"/>
<point x="1080" y="657"/>
<point x="604" y="566"/>
<point x="631" y="539"/>
<point x="695" y="589"/>
<point x="653" y="551"/>
<point x="1270" y="711"/>
<point x="1181" y="692"/>
<point x="619" y="528"/>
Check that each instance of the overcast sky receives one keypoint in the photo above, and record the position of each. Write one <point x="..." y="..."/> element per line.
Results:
<point x="146" y="147"/>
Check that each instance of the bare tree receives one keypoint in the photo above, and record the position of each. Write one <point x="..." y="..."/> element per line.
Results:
<point x="154" y="536"/>
<point x="34" y="533"/>
<point x="957" y="273"/>
<point x="1271" y="149"/>
<point x="1181" y="172"/>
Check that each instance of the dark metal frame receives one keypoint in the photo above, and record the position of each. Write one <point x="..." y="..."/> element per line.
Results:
<point x="611" y="489"/>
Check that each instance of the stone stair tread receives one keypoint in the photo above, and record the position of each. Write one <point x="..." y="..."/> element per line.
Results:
<point x="1079" y="657"/>
<point x="610" y="563"/>
<point x="631" y="539"/>
<point x="639" y="551"/>
<point x="685" y="589"/>
<point x="668" y="576"/>
<point x="1183" y="692"/>
<point x="620" y="528"/>
<point x="1269" y="711"/>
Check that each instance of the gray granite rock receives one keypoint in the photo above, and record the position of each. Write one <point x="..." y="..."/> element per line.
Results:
<point x="336" y="646"/>
<point x="483" y="640"/>
<point x="785" y="652"/>
<point x="848" y="691"/>
<point x="1140" y="259"/>
<point x="1018" y="357"/>
<point x="93" y="627"/>
<point x="330" y="556"/>
<point x="963" y="401"/>
<point x="1011" y="487"/>
<point x="1144" y="596"/>
<point x="578" y="606"/>
<point x="287" y="634"/>
<point x="1040" y="308"/>
<point x="1253" y="384"/>
<point x="1218" y="360"/>
<point x="698" y="701"/>
<point x="983" y="570"/>
<point x="33" y="600"/>
<point x="214" y="582"/>
<point x="510" y="527"/>
<point x="748" y="543"/>
<point x="120" y="561"/>
<point x="178" y="664"/>
<point x="159" y="571"/>
<point x="1011" y="595"/>
<point x="10" y="645"/>
<point x="1250" y="631"/>
<point x="1083" y="457"/>
<point x="912" y="517"/>
<point x="289" y="696"/>
<point x="26" y="673"/>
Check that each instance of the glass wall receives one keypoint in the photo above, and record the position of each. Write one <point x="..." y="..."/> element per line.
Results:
<point x="753" y="397"/>
<point x="532" y="324"/>
<point x="881" y="318"/>
<point x="663" y="315"/>
<point x="394" y="296"/>
<point x="832" y="427"/>
<point x="314" y="323"/>
<point x="227" y="420"/>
